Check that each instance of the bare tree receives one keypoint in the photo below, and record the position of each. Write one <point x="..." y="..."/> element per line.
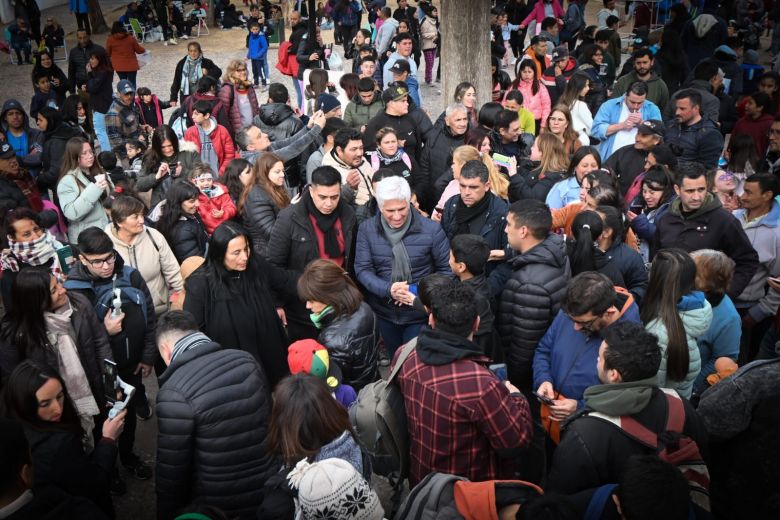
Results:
<point x="96" y="19"/>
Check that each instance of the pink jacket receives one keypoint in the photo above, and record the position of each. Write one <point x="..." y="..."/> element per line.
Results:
<point x="539" y="104"/>
<point x="227" y="94"/>
<point x="537" y="13"/>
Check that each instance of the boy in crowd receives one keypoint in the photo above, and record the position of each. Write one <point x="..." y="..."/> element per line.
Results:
<point x="213" y="141"/>
<point x="44" y="95"/>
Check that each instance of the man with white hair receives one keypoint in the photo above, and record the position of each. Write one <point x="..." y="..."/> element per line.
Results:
<point x="395" y="250"/>
<point x="437" y="154"/>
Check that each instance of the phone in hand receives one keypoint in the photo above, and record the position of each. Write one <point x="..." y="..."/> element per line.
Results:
<point x="544" y="399"/>
<point x="499" y="369"/>
<point x="775" y="279"/>
<point x="111" y="388"/>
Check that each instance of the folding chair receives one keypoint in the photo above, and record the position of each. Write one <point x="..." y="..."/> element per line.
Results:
<point x="138" y="29"/>
<point x="201" y="16"/>
<point x="61" y="52"/>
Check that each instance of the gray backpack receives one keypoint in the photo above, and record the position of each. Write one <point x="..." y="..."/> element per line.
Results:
<point x="432" y="499"/>
<point x="379" y="419"/>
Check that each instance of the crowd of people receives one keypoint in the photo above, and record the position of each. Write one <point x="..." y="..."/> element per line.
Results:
<point x="571" y="290"/>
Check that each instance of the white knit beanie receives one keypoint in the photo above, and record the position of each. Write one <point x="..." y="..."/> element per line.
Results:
<point x="332" y="489"/>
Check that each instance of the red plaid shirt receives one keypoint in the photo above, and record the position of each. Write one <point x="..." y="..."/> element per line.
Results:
<point x="460" y="417"/>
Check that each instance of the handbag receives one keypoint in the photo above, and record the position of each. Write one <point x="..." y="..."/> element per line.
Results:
<point x="144" y="59"/>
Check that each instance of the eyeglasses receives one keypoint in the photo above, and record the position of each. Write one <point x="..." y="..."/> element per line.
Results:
<point x="109" y="260"/>
<point x="586" y="325"/>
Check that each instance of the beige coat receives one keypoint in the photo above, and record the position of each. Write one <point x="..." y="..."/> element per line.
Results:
<point x="364" y="191"/>
<point x="154" y="259"/>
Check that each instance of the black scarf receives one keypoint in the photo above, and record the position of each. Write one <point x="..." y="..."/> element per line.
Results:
<point x="326" y="224"/>
<point x="464" y="214"/>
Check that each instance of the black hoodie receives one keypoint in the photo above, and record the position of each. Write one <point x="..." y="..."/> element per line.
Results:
<point x="436" y="347"/>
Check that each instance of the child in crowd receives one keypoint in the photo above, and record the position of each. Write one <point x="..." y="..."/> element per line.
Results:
<point x="135" y="154"/>
<point x="44" y="95"/>
<point x="309" y="356"/>
<point x="108" y="162"/>
<point x="215" y="204"/>
<point x="150" y="107"/>
<point x="468" y="260"/>
<point x="257" y="45"/>
<point x="211" y="139"/>
<point x="514" y="102"/>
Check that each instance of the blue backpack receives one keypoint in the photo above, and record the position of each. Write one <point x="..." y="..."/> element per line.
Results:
<point x="104" y="293"/>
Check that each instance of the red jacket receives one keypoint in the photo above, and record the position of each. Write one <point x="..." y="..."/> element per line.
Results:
<point x="122" y="48"/>
<point x="219" y="199"/>
<point x="223" y="144"/>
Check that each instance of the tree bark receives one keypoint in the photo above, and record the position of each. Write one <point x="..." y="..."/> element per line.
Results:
<point x="465" y="49"/>
<point x="96" y="19"/>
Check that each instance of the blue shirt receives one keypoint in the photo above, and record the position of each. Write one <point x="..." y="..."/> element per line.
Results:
<point x="19" y="143"/>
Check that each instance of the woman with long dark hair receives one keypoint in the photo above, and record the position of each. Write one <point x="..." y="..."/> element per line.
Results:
<point x="308" y="423"/>
<point x="100" y="77"/>
<point x="163" y="163"/>
<point x="645" y="210"/>
<point x="231" y="296"/>
<point x="347" y="324"/>
<point x="627" y="260"/>
<point x="37" y="397"/>
<point x="591" y="61"/>
<point x="81" y="188"/>
<point x="583" y="249"/>
<point x="677" y="314"/>
<point x="59" y="81"/>
<point x="50" y="326"/>
<point x="585" y="160"/>
<point x="535" y="95"/>
<point x="180" y="222"/>
<point x="574" y="97"/>
<point x="75" y="111"/>
<point x="236" y="177"/>
<point x="264" y="196"/>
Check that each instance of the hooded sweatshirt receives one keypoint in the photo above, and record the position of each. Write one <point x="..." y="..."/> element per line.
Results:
<point x="29" y="145"/>
<point x="657" y="91"/>
<point x="696" y="315"/>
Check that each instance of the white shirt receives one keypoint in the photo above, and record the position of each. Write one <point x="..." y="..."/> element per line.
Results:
<point x="623" y="137"/>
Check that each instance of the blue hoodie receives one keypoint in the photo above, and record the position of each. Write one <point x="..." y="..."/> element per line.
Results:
<point x="564" y="350"/>
<point x="257" y="45"/>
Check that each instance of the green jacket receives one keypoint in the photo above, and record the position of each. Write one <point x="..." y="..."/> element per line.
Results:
<point x="657" y="92"/>
<point x="356" y="115"/>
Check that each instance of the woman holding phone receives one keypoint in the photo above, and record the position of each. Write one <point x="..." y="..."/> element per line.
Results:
<point x="37" y="397"/>
<point x="163" y="163"/>
<point x="81" y="188"/>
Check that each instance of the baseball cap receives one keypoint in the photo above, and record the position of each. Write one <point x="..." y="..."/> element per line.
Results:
<point x="400" y="66"/>
<point x="394" y="93"/>
<point x="7" y="151"/>
<point x="561" y="53"/>
<point x="651" y="127"/>
<point x="539" y="38"/>
<point x="310" y="357"/>
<point x="125" y="87"/>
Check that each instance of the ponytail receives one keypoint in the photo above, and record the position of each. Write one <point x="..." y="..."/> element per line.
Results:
<point x="587" y="227"/>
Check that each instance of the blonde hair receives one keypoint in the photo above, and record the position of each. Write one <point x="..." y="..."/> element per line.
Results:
<point x="554" y="156"/>
<point x="232" y="66"/>
<point x="498" y="183"/>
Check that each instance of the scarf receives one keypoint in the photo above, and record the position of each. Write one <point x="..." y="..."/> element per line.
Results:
<point x="27" y="186"/>
<point x="386" y="161"/>
<point x="190" y="342"/>
<point x="191" y="73"/>
<point x="402" y="266"/>
<point x="36" y="252"/>
<point x="464" y="215"/>
<point x="60" y="333"/>
<point x="326" y="224"/>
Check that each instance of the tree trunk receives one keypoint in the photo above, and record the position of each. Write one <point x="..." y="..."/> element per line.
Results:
<point x="96" y="19"/>
<point x="465" y="49"/>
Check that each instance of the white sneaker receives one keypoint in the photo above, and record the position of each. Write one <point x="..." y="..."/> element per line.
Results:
<point x="165" y="44"/>
<point x="173" y="41"/>
<point x="185" y="37"/>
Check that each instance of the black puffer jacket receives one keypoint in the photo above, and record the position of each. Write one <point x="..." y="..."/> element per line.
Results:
<point x="436" y="158"/>
<point x="278" y="121"/>
<point x="189" y="238"/>
<point x="530" y="300"/>
<point x="351" y="342"/>
<point x="53" y="152"/>
<point x="10" y="195"/>
<point x="259" y="215"/>
<point x="91" y="343"/>
<point x="212" y="412"/>
<point x="532" y="185"/>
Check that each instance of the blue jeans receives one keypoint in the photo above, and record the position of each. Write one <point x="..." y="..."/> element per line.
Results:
<point x="298" y="92"/>
<point x="395" y="334"/>
<point x="99" y="123"/>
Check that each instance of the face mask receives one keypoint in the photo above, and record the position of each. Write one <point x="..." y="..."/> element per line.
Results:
<point x="317" y="317"/>
<point x="82" y="119"/>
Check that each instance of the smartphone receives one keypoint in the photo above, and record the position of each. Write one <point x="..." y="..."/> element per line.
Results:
<point x="775" y="279"/>
<point x="499" y="369"/>
<point x="544" y="399"/>
<point x="66" y="258"/>
<point x="440" y="210"/>
<point x="413" y="288"/>
<point x="501" y="160"/>
<point x="635" y="208"/>
<point x="110" y="383"/>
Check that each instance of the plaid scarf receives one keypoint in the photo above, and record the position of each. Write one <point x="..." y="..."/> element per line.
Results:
<point x="35" y="252"/>
<point x="26" y="184"/>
